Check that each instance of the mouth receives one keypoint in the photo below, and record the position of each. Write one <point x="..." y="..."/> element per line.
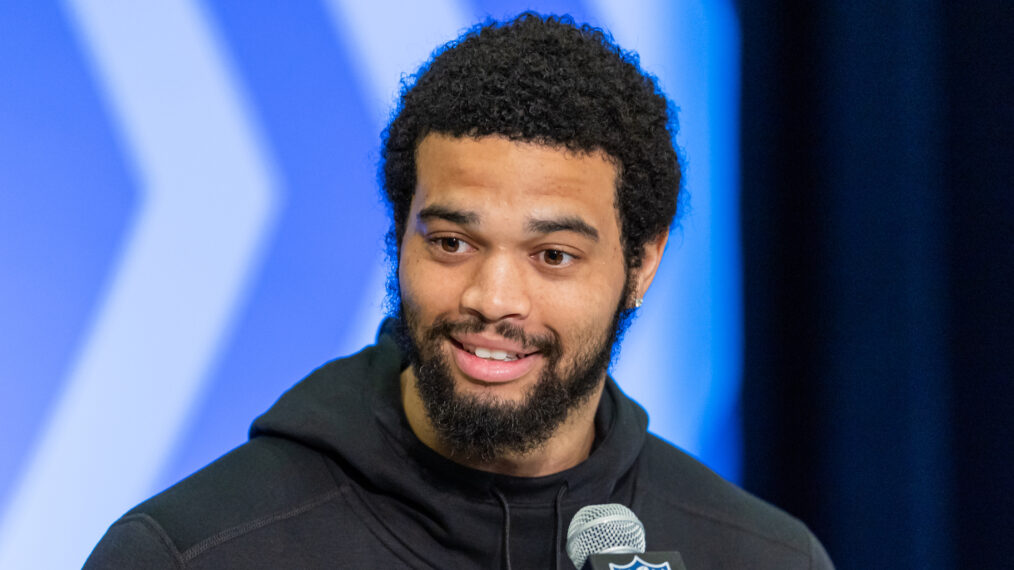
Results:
<point x="491" y="364"/>
<point x="491" y="353"/>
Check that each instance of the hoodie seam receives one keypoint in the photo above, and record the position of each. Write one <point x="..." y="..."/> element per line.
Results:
<point x="728" y="523"/>
<point x="160" y="533"/>
<point x="247" y="527"/>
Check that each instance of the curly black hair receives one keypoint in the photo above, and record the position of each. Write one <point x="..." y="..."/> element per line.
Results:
<point x="545" y="80"/>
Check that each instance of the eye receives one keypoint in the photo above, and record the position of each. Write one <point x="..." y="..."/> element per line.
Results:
<point x="449" y="244"/>
<point x="556" y="258"/>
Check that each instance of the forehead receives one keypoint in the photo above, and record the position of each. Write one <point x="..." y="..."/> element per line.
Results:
<point x="513" y="178"/>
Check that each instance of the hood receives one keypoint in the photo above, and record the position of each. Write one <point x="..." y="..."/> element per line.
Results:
<point x="442" y="512"/>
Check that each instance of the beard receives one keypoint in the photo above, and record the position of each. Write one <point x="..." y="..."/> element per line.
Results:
<point x="487" y="428"/>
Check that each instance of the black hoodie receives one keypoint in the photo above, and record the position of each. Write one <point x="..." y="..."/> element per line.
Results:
<point x="333" y="477"/>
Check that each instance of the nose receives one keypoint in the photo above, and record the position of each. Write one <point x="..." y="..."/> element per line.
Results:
<point x="498" y="289"/>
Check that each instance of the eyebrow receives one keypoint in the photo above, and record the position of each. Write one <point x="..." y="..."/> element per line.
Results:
<point x="564" y="224"/>
<point x="460" y="217"/>
<point x="534" y="225"/>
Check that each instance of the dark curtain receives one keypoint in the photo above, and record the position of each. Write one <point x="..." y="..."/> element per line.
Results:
<point x="877" y="210"/>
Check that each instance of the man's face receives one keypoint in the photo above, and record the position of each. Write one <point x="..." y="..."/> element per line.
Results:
<point x="512" y="278"/>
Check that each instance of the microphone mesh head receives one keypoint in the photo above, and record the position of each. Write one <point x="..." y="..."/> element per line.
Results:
<point x="602" y="529"/>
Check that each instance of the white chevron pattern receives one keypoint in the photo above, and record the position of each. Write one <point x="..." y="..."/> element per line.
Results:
<point x="208" y="197"/>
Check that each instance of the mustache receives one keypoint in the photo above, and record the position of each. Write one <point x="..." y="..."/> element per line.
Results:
<point x="548" y="344"/>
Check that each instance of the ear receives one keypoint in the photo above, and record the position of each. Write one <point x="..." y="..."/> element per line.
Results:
<point x="650" y="260"/>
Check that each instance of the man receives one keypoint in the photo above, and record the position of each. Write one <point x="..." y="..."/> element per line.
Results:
<point x="531" y="180"/>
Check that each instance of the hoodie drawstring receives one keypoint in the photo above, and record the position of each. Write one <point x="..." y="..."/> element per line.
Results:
<point x="557" y="531"/>
<point x="506" y="528"/>
<point x="558" y="535"/>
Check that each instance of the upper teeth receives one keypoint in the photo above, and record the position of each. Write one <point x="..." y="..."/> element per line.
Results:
<point x="495" y="354"/>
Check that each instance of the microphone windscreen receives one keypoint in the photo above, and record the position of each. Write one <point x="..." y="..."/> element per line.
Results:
<point x="603" y="529"/>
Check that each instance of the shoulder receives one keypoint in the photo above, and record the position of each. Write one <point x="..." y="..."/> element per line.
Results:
<point x="716" y="523"/>
<point x="263" y="482"/>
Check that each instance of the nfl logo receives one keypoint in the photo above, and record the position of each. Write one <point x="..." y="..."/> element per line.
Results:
<point x="638" y="564"/>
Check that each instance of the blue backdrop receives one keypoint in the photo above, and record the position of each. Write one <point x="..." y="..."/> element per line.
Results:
<point x="189" y="223"/>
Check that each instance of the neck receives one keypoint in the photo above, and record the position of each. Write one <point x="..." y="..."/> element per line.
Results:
<point x="569" y="445"/>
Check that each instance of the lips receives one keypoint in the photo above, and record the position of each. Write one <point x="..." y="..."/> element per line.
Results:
<point x="492" y="361"/>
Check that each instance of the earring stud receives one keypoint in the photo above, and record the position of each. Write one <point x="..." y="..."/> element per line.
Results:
<point x="638" y="302"/>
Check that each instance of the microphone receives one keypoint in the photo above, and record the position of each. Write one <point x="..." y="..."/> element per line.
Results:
<point x="611" y="537"/>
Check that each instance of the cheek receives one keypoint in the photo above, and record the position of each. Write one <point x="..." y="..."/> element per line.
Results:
<point x="423" y="287"/>
<point x="409" y="280"/>
<point x="582" y="309"/>
<point x="596" y="291"/>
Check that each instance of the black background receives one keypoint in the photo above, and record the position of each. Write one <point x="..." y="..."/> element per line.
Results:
<point x="877" y="181"/>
